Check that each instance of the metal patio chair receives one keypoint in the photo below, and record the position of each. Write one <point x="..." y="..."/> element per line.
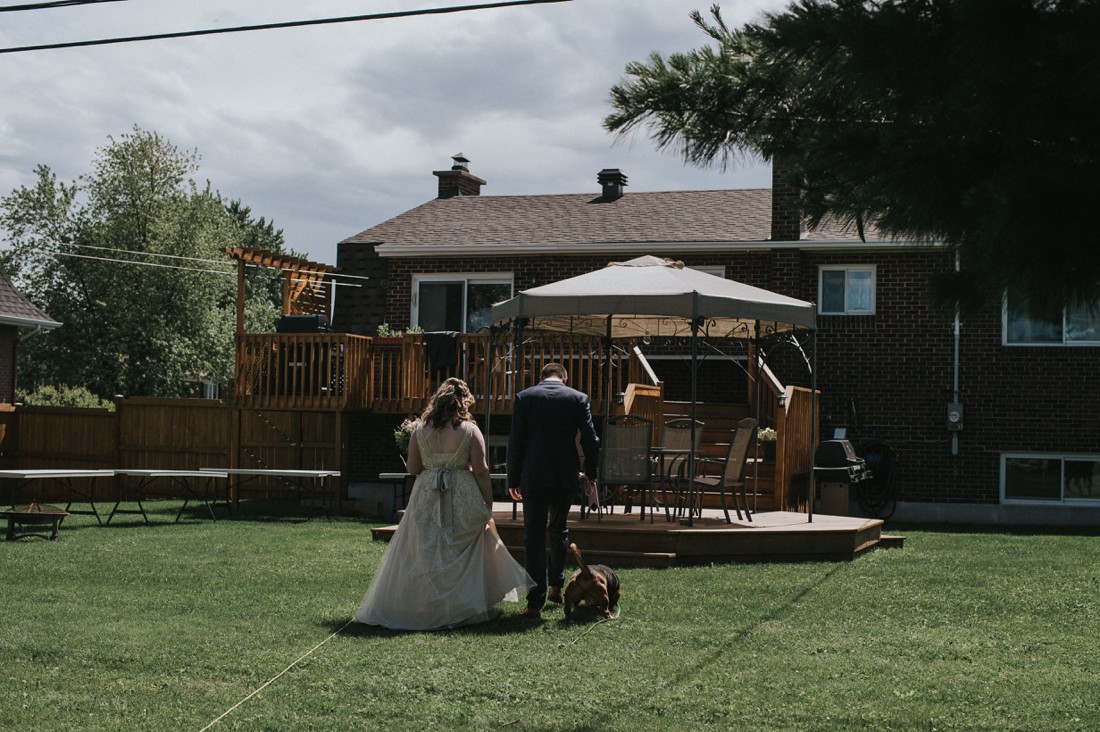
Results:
<point x="731" y="471"/>
<point x="624" y="458"/>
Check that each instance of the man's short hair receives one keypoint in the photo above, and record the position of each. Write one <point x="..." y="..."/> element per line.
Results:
<point x="556" y="370"/>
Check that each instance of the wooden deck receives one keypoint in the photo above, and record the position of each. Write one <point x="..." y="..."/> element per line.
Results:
<point x="622" y="540"/>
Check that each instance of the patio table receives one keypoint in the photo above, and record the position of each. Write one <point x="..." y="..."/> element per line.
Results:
<point x="665" y="459"/>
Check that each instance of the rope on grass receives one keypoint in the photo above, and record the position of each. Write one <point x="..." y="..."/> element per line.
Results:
<point x="275" y="678"/>
<point x="618" y="612"/>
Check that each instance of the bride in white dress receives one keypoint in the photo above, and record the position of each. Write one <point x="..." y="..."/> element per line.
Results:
<point x="446" y="565"/>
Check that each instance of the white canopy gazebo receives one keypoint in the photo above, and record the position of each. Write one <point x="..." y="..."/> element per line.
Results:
<point x="653" y="297"/>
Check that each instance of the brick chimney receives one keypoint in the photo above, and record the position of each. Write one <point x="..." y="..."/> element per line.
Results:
<point x="457" y="181"/>
<point x="613" y="182"/>
<point x="786" y="204"/>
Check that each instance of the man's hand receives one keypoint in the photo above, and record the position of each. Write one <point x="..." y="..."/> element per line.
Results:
<point x="516" y="493"/>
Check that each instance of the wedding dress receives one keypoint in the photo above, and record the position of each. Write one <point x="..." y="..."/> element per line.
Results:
<point x="446" y="565"/>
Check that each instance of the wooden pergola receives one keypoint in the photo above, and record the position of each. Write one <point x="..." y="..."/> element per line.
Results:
<point x="307" y="286"/>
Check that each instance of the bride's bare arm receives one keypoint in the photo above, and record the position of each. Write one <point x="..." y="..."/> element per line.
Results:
<point x="414" y="463"/>
<point x="480" y="466"/>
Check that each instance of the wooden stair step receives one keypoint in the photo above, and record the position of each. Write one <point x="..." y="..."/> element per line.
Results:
<point x="891" y="541"/>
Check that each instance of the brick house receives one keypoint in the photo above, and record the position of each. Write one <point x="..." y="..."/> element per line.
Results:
<point x="993" y="419"/>
<point x="18" y="318"/>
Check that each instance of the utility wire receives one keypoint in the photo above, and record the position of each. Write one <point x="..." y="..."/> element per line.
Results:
<point x="286" y="24"/>
<point x="50" y="6"/>
<point x="195" y="259"/>
<point x="228" y="272"/>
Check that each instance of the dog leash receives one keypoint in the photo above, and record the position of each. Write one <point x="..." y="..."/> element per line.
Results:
<point x="275" y="678"/>
<point x="618" y="612"/>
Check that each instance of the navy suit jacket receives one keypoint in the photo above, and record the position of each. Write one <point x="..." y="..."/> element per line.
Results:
<point x="542" y="447"/>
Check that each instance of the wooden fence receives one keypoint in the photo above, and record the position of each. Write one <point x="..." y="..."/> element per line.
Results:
<point x="181" y="434"/>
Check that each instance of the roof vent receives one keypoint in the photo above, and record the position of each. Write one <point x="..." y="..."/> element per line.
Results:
<point x="613" y="182"/>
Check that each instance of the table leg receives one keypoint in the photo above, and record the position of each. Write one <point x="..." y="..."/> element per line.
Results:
<point x="140" y="508"/>
<point x="74" y="493"/>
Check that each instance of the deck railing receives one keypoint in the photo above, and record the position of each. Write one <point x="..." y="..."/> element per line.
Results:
<point x="314" y="371"/>
<point x="797" y="433"/>
<point x="332" y="371"/>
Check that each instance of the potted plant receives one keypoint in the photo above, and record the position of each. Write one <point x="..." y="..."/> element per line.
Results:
<point x="766" y="437"/>
<point x="388" y="336"/>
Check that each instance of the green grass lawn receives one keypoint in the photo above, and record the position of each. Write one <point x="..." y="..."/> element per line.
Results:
<point x="166" y="627"/>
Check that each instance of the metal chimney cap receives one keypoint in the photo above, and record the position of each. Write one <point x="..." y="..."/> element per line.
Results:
<point x="461" y="162"/>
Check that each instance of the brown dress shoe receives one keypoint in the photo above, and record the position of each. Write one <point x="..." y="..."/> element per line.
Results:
<point x="554" y="595"/>
<point x="530" y="612"/>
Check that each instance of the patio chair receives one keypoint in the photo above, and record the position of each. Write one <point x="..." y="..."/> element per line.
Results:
<point x="670" y="460"/>
<point x="624" y="458"/>
<point x="731" y="475"/>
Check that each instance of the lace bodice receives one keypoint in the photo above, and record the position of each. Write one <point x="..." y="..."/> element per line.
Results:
<point x="460" y="458"/>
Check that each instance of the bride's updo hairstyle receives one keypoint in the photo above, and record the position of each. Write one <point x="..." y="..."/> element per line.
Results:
<point x="449" y="405"/>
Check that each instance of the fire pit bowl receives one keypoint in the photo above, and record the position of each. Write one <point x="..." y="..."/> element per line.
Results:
<point x="34" y="514"/>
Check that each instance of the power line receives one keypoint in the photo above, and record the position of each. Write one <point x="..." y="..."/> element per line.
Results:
<point x="144" y="264"/>
<point x="50" y="6"/>
<point x="200" y="270"/>
<point x="286" y="24"/>
<point x="198" y="259"/>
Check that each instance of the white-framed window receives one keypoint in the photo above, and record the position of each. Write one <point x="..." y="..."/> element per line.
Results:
<point x="846" y="290"/>
<point x="458" y="302"/>
<point x="1050" y="478"/>
<point x="1078" y="326"/>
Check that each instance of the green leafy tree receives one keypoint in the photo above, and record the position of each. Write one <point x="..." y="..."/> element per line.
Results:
<point x="973" y="123"/>
<point x="130" y="259"/>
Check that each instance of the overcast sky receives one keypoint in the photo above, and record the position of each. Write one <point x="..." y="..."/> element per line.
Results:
<point x="329" y="130"/>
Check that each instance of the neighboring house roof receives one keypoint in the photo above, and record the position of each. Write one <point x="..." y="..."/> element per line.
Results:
<point x="17" y="310"/>
<point x="635" y="221"/>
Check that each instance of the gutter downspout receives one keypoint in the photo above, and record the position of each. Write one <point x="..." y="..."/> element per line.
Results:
<point x="955" y="371"/>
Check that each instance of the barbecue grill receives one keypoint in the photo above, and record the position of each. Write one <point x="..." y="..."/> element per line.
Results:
<point x="836" y="468"/>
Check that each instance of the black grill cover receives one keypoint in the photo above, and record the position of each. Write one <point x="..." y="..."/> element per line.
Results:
<point x="835" y="460"/>
<point x="302" y="324"/>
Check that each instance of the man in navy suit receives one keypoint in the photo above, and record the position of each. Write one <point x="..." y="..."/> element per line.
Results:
<point x="543" y="472"/>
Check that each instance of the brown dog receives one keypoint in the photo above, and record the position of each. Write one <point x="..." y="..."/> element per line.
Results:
<point x="598" y="585"/>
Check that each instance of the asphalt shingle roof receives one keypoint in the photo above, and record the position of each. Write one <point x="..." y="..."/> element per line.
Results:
<point x="15" y="307"/>
<point x="674" y="216"/>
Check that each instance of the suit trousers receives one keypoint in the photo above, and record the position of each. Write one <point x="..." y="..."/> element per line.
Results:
<point x="545" y="513"/>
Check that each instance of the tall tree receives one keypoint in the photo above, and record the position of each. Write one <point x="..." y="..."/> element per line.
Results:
<point x="972" y="123"/>
<point x="130" y="259"/>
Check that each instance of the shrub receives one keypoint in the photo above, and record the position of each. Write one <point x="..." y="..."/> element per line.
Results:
<point x="64" y="396"/>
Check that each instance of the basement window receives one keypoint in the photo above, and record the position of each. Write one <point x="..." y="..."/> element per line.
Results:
<point x="1046" y="478"/>
<point x="457" y="302"/>
<point x="846" y="290"/>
